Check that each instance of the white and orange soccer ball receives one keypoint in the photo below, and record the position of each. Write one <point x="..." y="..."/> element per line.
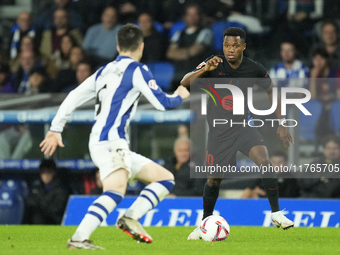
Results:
<point x="214" y="228"/>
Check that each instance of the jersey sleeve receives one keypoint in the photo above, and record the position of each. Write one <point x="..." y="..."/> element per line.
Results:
<point x="80" y="95"/>
<point x="144" y="81"/>
<point x="264" y="79"/>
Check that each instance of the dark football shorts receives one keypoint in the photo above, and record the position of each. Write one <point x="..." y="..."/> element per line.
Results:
<point x="223" y="153"/>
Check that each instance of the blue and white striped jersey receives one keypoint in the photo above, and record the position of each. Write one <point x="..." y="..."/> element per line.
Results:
<point x="283" y="77"/>
<point x="117" y="87"/>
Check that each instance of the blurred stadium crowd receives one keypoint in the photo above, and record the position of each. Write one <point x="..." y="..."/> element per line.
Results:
<point x="60" y="43"/>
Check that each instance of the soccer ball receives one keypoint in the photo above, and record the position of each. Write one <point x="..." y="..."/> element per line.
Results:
<point x="214" y="228"/>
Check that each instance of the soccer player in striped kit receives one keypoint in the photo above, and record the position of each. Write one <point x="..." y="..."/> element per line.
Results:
<point x="117" y="87"/>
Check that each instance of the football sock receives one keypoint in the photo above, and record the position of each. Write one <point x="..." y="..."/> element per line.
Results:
<point x="149" y="197"/>
<point x="209" y="199"/>
<point x="97" y="212"/>
<point x="271" y="187"/>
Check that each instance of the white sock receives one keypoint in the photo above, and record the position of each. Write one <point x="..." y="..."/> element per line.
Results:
<point x="149" y="197"/>
<point x="97" y="212"/>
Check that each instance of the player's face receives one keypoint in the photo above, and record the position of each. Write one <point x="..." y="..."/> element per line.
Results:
<point x="329" y="35"/>
<point x="287" y="52"/>
<point x="182" y="151"/>
<point x="331" y="151"/>
<point x="233" y="47"/>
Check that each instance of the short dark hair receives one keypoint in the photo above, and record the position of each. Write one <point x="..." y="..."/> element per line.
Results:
<point x="85" y="62"/>
<point x="235" y="31"/>
<point x="320" y="52"/>
<point x="129" y="37"/>
<point x="280" y="154"/>
<point x="47" y="164"/>
<point x="331" y="138"/>
<point x="331" y="22"/>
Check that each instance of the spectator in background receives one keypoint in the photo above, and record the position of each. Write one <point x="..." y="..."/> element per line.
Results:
<point x="21" y="29"/>
<point x="45" y="20"/>
<point x="60" y="58"/>
<point x="324" y="187"/>
<point x="288" y="187"/>
<point x="48" y="196"/>
<point x="153" y="41"/>
<point x="330" y="42"/>
<point x="83" y="71"/>
<point x="188" y="47"/>
<point x="51" y="39"/>
<point x="100" y="41"/>
<point x="67" y="77"/>
<point x="237" y="14"/>
<point x="39" y="81"/>
<point x="98" y="190"/>
<point x="180" y="166"/>
<point x="290" y="67"/>
<point x="28" y="61"/>
<point x="6" y="83"/>
<point x="325" y="89"/>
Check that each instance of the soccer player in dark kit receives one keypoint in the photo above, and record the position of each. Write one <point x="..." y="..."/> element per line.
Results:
<point x="224" y="140"/>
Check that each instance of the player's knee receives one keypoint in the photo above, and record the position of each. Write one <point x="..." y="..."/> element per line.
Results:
<point x="214" y="182"/>
<point x="169" y="176"/>
<point x="263" y="161"/>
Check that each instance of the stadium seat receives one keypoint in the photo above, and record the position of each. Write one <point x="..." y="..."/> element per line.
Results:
<point x="218" y="29"/>
<point x="163" y="73"/>
<point x="11" y="207"/>
<point x="335" y="116"/>
<point x="308" y="122"/>
<point x="177" y="26"/>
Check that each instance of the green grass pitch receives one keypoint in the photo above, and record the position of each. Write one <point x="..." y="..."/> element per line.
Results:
<point x="172" y="240"/>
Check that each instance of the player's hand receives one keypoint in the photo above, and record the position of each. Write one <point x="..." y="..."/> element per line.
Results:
<point x="50" y="143"/>
<point x="182" y="92"/>
<point x="284" y="135"/>
<point x="212" y="64"/>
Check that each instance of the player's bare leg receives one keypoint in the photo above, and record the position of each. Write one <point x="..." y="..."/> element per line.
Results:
<point x="114" y="187"/>
<point x="160" y="182"/>
<point x="259" y="154"/>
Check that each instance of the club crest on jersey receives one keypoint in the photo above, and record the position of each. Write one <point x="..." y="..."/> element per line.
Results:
<point x="200" y="65"/>
<point x="153" y="85"/>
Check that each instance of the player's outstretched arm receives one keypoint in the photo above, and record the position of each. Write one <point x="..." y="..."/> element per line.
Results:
<point x="143" y="80"/>
<point x="208" y="66"/>
<point x="282" y="131"/>
<point x="182" y="92"/>
<point x="51" y="142"/>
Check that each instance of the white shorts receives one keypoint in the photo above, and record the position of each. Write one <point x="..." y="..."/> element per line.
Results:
<point x="110" y="156"/>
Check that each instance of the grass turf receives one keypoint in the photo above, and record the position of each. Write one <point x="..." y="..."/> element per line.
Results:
<point x="172" y="240"/>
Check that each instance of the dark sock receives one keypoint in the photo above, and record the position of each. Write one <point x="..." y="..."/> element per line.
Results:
<point x="209" y="199"/>
<point x="271" y="187"/>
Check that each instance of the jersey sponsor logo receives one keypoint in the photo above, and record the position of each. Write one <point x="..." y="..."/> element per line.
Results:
<point x="200" y="65"/>
<point x="153" y="85"/>
<point x="227" y="102"/>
